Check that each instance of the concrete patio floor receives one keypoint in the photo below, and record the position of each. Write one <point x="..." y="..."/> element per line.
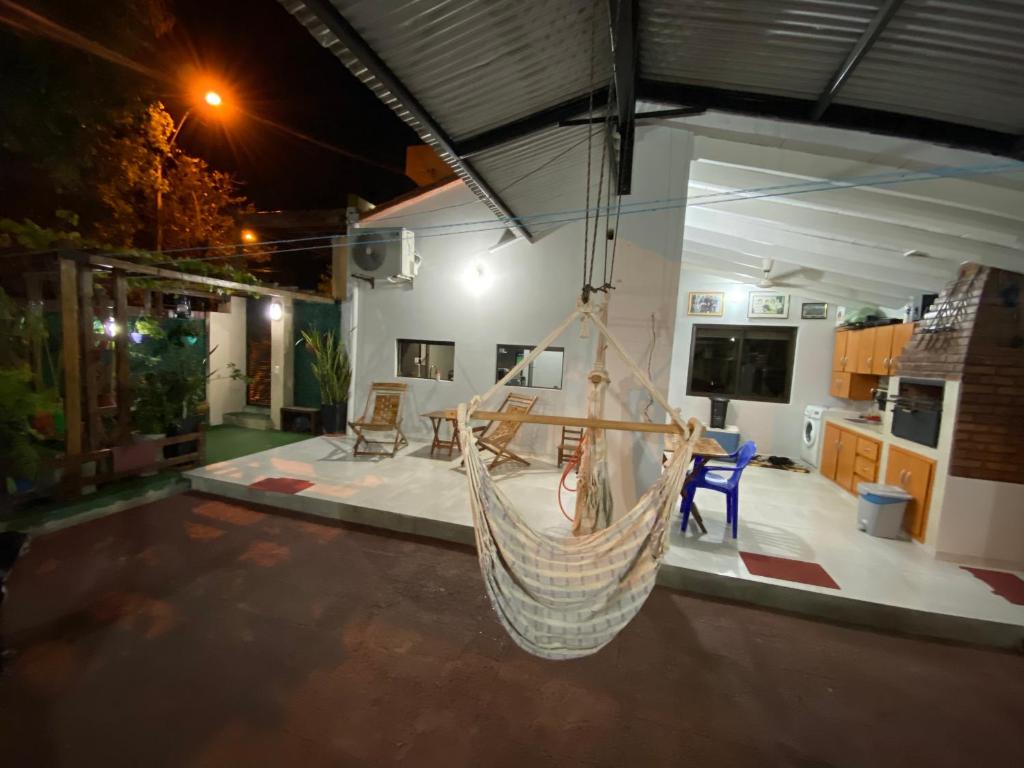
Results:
<point x="202" y="632"/>
<point x="895" y="585"/>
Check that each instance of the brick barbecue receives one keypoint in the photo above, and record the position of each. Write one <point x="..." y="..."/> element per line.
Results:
<point x="974" y="334"/>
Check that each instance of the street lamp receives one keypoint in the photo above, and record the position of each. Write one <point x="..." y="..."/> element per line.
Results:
<point x="212" y="99"/>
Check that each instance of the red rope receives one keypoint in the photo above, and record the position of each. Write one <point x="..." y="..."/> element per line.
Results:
<point x="574" y="460"/>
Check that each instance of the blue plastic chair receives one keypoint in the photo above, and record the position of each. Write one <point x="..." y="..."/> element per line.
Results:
<point x="724" y="480"/>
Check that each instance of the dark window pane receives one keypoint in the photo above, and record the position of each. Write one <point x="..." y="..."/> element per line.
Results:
<point x="426" y="359"/>
<point x="714" y="364"/>
<point x="745" y="362"/>
<point x="764" y="368"/>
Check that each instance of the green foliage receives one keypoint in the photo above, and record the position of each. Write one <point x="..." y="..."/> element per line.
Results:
<point x="20" y="451"/>
<point x="57" y="97"/>
<point x="170" y="370"/>
<point x="330" y="365"/>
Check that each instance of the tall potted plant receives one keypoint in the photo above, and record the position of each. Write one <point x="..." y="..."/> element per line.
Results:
<point x="334" y="375"/>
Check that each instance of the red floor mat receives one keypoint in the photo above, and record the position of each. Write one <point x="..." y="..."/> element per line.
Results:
<point x="281" y="484"/>
<point x="788" y="570"/>
<point x="1009" y="586"/>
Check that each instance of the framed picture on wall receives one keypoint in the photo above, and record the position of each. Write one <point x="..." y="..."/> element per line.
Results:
<point x="764" y="305"/>
<point x="814" y="310"/>
<point x="706" y="303"/>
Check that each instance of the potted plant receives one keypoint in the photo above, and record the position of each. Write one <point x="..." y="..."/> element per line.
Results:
<point x="334" y="375"/>
<point x="21" y="452"/>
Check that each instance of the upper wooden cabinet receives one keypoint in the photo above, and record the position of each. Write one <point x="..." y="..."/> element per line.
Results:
<point x="900" y="336"/>
<point x="839" y="351"/>
<point x="864" y="342"/>
<point x="870" y="351"/>
<point x="881" y="349"/>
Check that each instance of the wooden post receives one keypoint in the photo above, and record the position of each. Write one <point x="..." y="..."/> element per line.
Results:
<point x="339" y="268"/>
<point x="34" y="288"/>
<point x="93" y="426"/>
<point x="71" y="353"/>
<point x="122" y="372"/>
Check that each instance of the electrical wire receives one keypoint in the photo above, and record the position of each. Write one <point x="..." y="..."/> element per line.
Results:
<point x="569" y="215"/>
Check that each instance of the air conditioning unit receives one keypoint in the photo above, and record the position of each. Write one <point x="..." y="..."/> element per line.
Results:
<point x="383" y="254"/>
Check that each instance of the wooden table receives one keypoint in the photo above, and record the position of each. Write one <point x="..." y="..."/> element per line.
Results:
<point x="707" y="448"/>
<point x="436" y="419"/>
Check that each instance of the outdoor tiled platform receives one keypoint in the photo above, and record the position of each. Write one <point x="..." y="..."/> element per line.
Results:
<point x="895" y="585"/>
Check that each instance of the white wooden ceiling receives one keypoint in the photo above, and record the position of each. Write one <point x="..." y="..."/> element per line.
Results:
<point x="756" y="195"/>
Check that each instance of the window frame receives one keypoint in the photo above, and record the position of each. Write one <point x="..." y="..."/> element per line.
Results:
<point x="741" y="331"/>
<point x="531" y="347"/>
<point x="434" y="342"/>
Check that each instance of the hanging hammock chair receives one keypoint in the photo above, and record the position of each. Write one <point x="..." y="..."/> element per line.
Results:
<point x="567" y="597"/>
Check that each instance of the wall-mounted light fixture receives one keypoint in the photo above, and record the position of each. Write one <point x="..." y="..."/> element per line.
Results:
<point x="111" y="327"/>
<point x="477" y="277"/>
<point x="276" y="311"/>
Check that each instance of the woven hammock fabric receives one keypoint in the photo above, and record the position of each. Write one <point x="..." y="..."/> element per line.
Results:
<point x="567" y="597"/>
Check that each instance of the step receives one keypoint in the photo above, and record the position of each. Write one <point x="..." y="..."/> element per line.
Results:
<point x="249" y="419"/>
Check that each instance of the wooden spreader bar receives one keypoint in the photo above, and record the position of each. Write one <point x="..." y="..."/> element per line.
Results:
<point x="574" y="421"/>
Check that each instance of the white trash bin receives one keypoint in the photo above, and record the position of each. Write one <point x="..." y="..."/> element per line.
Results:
<point x="880" y="509"/>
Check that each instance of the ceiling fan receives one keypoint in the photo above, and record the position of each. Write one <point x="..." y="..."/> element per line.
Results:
<point x="779" y="281"/>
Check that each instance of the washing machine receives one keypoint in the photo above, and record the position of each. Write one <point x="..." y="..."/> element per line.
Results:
<point x="810" y="448"/>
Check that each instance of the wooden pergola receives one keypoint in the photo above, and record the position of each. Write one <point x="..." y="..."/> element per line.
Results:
<point x="71" y="277"/>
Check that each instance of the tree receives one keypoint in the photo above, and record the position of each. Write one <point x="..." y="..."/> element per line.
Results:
<point x="56" y="97"/>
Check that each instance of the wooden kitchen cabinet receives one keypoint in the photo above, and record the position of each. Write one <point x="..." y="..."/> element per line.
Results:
<point x="865" y="346"/>
<point x="853" y="347"/>
<point x="852" y="386"/>
<point x="881" y="352"/>
<point x="914" y="474"/>
<point x="900" y="336"/>
<point x="830" y="450"/>
<point x="849" y="458"/>
<point x="839" y="351"/>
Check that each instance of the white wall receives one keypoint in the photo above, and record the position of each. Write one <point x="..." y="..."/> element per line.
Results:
<point x="227" y="334"/>
<point x="775" y="427"/>
<point x="981" y="523"/>
<point x="527" y="291"/>
<point x="282" y="361"/>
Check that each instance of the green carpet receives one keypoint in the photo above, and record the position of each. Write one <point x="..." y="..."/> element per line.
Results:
<point x="222" y="444"/>
<point x="226" y="442"/>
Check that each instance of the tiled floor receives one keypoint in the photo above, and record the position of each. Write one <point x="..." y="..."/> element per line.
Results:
<point x="783" y="514"/>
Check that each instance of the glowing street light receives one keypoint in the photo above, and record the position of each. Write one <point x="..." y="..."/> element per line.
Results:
<point x="210" y="98"/>
<point x="248" y="236"/>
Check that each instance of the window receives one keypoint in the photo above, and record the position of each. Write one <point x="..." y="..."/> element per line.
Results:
<point x="745" y="362"/>
<point x="426" y="359"/>
<point x="543" y="373"/>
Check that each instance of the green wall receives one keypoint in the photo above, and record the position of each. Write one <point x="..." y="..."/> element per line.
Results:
<point x="308" y="316"/>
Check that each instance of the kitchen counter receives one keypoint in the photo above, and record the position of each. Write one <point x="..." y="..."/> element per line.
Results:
<point x="879" y="432"/>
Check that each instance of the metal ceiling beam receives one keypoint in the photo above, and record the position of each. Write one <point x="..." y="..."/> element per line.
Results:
<point x="538" y="121"/>
<point x="339" y="26"/>
<point x="877" y="121"/>
<point x="859" y="51"/>
<point x="623" y="16"/>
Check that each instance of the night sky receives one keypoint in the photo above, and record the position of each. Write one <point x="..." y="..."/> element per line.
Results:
<point x="277" y="70"/>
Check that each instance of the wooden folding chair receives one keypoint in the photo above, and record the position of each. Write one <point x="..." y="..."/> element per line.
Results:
<point x="384" y="415"/>
<point x="496" y="435"/>
<point x="571" y="437"/>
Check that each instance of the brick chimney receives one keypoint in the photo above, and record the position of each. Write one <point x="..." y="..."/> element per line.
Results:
<point x="974" y="334"/>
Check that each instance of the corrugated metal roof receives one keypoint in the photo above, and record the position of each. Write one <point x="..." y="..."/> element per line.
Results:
<point x="477" y="64"/>
<point x="955" y="60"/>
<point x="787" y="47"/>
<point x="545" y="172"/>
